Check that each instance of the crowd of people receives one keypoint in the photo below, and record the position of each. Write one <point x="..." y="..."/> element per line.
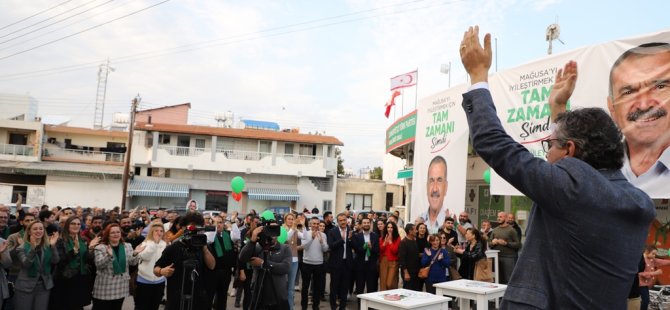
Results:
<point x="68" y="258"/>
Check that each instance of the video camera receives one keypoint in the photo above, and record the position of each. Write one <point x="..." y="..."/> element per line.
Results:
<point x="195" y="237"/>
<point x="271" y="229"/>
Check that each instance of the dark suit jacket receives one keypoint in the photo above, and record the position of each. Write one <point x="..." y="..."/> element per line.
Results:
<point x="586" y="228"/>
<point x="358" y="242"/>
<point x="337" y="248"/>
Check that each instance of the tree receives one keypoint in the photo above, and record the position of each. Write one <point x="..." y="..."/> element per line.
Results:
<point x="376" y="173"/>
<point x="340" y="162"/>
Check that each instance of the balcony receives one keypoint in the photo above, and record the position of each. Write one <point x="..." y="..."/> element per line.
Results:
<point x="183" y="150"/>
<point x="17" y="152"/>
<point x="82" y="156"/>
<point x="233" y="160"/>
<point x="243" y="155"/>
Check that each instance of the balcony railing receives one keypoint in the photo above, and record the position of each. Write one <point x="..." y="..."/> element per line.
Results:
<point x="183" y="150"/>
<point x="15" y="149"/>
<point x="243" y="155"/>
<point x="301" y="159"/>
<point x="73" y="154"/>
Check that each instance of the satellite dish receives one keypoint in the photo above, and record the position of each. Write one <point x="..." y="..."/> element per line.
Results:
<point x="553" y="33"/>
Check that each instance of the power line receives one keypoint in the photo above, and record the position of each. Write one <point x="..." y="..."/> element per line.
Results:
<point x="65" y="26"/>
<point x="56" y="22"/>
<point x="82" y="31"/>
<point x="31" y="16"/>
<point x="49" y="18"/>
<point x="212" y="43"/>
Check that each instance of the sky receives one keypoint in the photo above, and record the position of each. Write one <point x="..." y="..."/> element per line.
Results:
<point x="316" y="65"/>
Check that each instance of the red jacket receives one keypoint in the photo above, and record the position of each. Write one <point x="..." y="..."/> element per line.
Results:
<point x="389" y="251"/>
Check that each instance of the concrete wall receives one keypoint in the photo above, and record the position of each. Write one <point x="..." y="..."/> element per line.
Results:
<point x="84" y="140"/>
<point x="311" y="197"/>
<point x="86" y="192"/>
<point x="170" y="115"/>
<point x="360" y="186"/>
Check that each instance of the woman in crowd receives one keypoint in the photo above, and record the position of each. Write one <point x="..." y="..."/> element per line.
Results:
<point x="35" y="254"/>
<point x="175" y="231"/>
<point x="292" y="241"/>
<point x="112" y="258"/>
<point x="474" y="251"/>
<point x="73" y="280"/>
<point x="649" y="276"/>
<point x="149" y="291"/>
<point x="421" y="237"/>
<point x="379" y="228"/>
<point x="438" y="260"/>
<point x="448" y="246"/>
<point x="388" y="261"/>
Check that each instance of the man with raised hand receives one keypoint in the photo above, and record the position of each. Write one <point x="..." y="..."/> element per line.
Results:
<point x="578" y="193"/>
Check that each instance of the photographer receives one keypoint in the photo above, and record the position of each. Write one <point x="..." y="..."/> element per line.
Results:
<point x="271" y="262"/>
<point x="176" y="265"/>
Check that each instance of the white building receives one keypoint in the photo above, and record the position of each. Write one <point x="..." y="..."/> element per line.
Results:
<point x="173" y="163"/>
<point x="60" y="165"/>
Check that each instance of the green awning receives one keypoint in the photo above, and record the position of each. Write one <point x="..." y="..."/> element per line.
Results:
<point x="273" y="194"/>
<point x="156" y="189"/>
<point x="405" y="173"/>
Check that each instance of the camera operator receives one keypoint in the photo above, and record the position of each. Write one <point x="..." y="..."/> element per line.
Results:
<point x="271" y="262"/>
<point x="226" y="259"/>
<point x="175" y="262"/>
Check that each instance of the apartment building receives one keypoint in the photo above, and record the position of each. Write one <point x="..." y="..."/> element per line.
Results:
<point x="173" y="163"/>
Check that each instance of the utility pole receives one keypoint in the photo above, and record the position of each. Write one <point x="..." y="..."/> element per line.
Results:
<point x="126" y="168"/>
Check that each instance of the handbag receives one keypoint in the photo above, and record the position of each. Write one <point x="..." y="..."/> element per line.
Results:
<point x="423" y="272"/>
<point x="483" y="270"/>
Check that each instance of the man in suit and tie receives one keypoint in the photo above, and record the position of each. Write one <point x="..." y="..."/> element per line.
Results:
<point x="578" y="193"/>
<point x="366" y="247"/>
<point x="341" y="261"/>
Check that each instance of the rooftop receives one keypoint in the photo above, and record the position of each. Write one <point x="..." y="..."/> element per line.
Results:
<point x="240" y="133"/>
<point x="86" y="131"/>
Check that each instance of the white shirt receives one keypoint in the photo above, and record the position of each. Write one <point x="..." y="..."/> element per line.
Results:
<point x="655" y="181"/>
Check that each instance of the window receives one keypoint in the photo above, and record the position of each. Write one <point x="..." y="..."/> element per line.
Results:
<point x="288" y="149"/>
<point x="359" y="201"/>
<point x="19" y="190"/>
<point x="149" y="171"/>
<point x="200" y="143"/>
<point x="308" y="149"/>
<point x="330" y="151"/>
<point x="149" y="141"/>
<point x="265" y="147"/>
<point x="327" y="205"/>
<point x="164" y="139"/>
<point x="138" y="170"/>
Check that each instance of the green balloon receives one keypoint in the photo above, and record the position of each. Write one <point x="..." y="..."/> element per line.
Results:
<point x="487" y="176"/>
<point x="283" y="235"/>
<point x="237" y="184"/>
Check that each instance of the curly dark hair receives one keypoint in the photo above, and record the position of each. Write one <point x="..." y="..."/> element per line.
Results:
<point x="192" y="218"/>
<point x="395" y="234"/>
<point x="597" y="139"/>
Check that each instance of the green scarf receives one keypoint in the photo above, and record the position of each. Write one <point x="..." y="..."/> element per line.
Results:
<point x="367" y="250"/>
<point x="5" y="233"/>
<point x="35" y="267"/>
<point x="80" y="261"/>
<point x="227" y="243"/>
<point x="119" y="261"/>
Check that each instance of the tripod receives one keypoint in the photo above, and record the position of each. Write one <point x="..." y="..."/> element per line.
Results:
<point x="191" y="270"/>
<point x="259" y="285"/>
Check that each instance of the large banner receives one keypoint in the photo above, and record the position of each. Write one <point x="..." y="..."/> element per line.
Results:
<point x="440" y="158"/>
<point x="639" y="104"/>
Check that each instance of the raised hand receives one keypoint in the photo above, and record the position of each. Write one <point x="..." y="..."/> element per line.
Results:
<point x="475" y="58"/>
<point x="94" y="242"/>
<point x="53" y="238"/>
<point x="566" y="79"/>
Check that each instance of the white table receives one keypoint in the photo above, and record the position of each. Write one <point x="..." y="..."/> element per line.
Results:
<point x="413" y="300"/>
<point x="468" y="290"/>
<point x="494" y="255"/>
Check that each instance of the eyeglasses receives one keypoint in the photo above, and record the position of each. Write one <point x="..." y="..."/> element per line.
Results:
<point x="546" y="144"/>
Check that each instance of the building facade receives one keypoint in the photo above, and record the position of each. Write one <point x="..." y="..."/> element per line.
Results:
<point x="173" y="163"/>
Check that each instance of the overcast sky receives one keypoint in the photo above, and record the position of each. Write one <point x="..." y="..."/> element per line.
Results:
<point x="318" y="65"/>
